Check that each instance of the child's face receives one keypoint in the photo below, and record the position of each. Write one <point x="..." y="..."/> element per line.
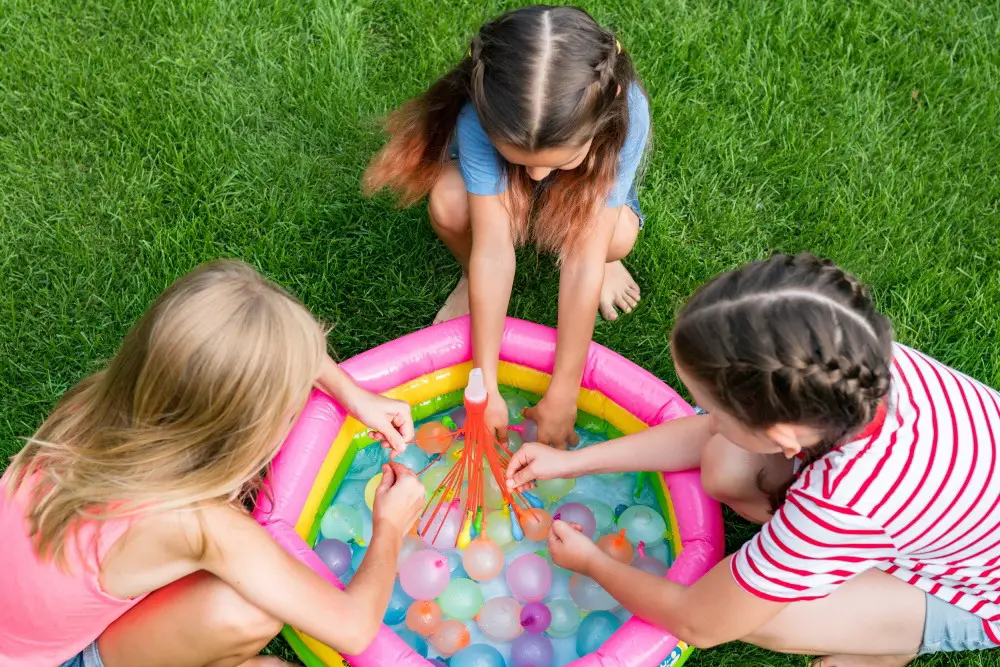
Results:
<point x="785" y="439"/>
<point x="539" y="164"/>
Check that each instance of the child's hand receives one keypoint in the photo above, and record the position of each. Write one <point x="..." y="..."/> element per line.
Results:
<point x="399" y="499"/>
<point x="390" y="420"/>
<point x="571" y="549"/>
<point x="496" y="416"/>
<point x="537" y="461"/>
<point x="556" y="420"/>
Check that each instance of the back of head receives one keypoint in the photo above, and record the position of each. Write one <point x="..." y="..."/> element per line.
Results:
<point x="538" y="77"/>
<point x="191" y="408"/>
<point x="793" y="339"/>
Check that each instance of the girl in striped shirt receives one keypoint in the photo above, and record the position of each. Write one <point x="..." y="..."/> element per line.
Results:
<point x="872" y="467"/>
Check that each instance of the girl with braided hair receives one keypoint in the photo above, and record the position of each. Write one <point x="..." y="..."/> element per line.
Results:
<point x="537" y="136"/>
<point x="873" y="468"/>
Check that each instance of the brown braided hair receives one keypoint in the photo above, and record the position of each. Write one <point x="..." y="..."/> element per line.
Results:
<point x="792" y="339"/>
<point x="538" y="77"/>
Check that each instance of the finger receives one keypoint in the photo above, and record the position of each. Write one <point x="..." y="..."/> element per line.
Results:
<point x="399" y="470"/>
<point x="404" y="424"/>
<point x="388" y="479"/>
<point x="519" y="469"/>
<point x="574" y="439"/>
<point x="501" y="434"/>
<point x="531" y="413"/>
<point x="575" y="526"/>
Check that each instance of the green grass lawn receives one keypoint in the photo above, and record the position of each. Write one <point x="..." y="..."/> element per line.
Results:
<point x="140" y="138"/>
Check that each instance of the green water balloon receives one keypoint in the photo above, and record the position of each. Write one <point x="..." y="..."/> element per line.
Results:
<point x="461" y="600"/>
<point x="551" y="490"/>
<point x="642" y="524"/>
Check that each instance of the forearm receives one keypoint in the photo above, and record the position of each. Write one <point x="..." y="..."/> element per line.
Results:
<point x="675" y="445"/>
<point x="579" y="292"/>
<point x="371" y="586"/>
<point x="491" y="276"/>
<point x="334" y="381"/>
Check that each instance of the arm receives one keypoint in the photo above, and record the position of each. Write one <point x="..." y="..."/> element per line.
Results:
<point x="243" y="555"/>
<point x="712" y="611"/>
<point x="390" y="420"/>
<point x="675" y="445"/>
<point x="491" y="276"/>
<point x="580" y="280"/>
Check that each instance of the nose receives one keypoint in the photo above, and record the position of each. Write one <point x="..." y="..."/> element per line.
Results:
<point x="538" y="173"/>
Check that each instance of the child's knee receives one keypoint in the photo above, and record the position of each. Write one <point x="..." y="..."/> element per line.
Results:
<point x="231" y="614"/>
<point x="448" y="203"/>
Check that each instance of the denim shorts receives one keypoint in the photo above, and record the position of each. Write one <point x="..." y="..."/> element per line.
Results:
<point x="88" y="657"/>
<point x="949" y="628"/>
<point x="632" y="201"/>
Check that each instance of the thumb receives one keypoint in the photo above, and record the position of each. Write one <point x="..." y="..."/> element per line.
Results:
<point x="531" y="413"/>
<point x="388" y="479"/>
<point x="520" y="471"/>
<point x="391" y="435"/>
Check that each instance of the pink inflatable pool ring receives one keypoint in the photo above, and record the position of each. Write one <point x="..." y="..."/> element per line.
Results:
<point x="431" y="366"/>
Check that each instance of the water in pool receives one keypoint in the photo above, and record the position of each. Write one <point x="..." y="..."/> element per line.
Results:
<point x="500" y="602"/>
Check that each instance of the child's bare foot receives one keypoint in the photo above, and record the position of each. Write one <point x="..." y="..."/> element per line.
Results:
<point x="618" y="291"/>
<point x="457" y="303"/>
<point x="863" y="661"/>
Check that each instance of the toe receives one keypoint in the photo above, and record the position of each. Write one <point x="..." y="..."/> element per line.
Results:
<point x="608" y="311"/>
<point x="633" y="291"/>
<point x="622" y="304"/>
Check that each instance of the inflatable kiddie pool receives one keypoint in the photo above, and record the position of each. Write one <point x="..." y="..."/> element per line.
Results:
<point x="428" y="369"/>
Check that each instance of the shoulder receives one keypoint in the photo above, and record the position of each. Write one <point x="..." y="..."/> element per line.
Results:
<point x="469" y="128"/>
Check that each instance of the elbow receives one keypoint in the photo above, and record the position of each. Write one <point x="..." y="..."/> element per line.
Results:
<point x="699" y="638"/>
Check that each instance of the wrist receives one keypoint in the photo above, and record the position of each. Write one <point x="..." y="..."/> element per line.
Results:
<point x="597" y="566"/>
<point x="562" y="392"/>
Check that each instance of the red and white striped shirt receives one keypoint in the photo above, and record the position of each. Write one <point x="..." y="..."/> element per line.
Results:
<point x="916" y="496"/>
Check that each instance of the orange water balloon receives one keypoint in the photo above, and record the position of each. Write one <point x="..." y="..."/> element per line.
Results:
<point x="434" y="437"/>
<point x="424" y="617"/>
<point x="535" y="523"/>
<point x="617" y="546"/>
<point x="450" y="638"/>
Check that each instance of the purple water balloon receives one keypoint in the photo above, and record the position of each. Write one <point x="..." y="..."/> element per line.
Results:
<point x="580" y="514"/>
<point x="529" y="431"/>
<point x="536" y="617"/>
<point x="335" y="554"/>
<point x="532" y="651"/>
<point x="529" y="578"/>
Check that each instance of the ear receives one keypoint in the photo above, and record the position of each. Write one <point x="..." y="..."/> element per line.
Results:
<point x="619" y="91"/>
<point x="787" y="437"/>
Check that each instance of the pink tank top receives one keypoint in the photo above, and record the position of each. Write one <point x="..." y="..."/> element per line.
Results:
<point x="49" y="614"/>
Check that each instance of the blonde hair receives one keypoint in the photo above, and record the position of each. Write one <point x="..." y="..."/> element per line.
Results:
<point x="191" y="409"/>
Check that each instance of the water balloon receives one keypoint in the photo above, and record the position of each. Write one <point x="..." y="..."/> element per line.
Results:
<point x="529" y="577"/>
<point x="514" y="441"/>
<point x="536" y="617"/>
<point x="358" y="556"/>
<point x="532" y="651"/>
<point x="482" y="559"/>
<point x="477" y="655"/>
<point x="443" y="531"/>
<point x="551" y="490"/>
<point x="498" y="529"/>
<point x="617" y="547"/>
<point x="579" y="514"/>
<point x="370" y="488"/>
<point x="458" y="416"/>
<point x="342" y="522"/>
<point x="335" y="554"/>
<point x="433" y="478"/>
<point x="535" y="523"/>
<point x="415" y="641"/>
<point x="424" y="575"/>
<point x="450" y="638"/>
<point x="434" y="437"/>
<point x="515" y="408"/>
<point x="589" y="595"/>
<point x="399" y="602"/>
<point x="565" y="618"/>
<point x="529" y="430"/>
<point x="500" y="619"/>
<point x="604" y="516"/>
<point x="411" y="544"/>
<point x="461" y="600"/>
<point x="424" y="617"/>
<point x="595" y="629"/>
<point x="413" y="458"/>
<point x="642" y="524"/>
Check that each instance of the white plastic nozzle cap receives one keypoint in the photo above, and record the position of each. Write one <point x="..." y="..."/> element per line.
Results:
<point x="475" y="391"/>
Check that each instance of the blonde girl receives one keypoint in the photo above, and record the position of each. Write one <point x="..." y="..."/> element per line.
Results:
<point x="125" y="539"/>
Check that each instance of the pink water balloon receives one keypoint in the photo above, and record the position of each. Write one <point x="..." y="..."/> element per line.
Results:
<point x="424" y="575"/>
<point x="442" y="532"/>
<point x="483" y="559"/>
<point x="529" y="577"/>
<point x="536" y="617"/>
